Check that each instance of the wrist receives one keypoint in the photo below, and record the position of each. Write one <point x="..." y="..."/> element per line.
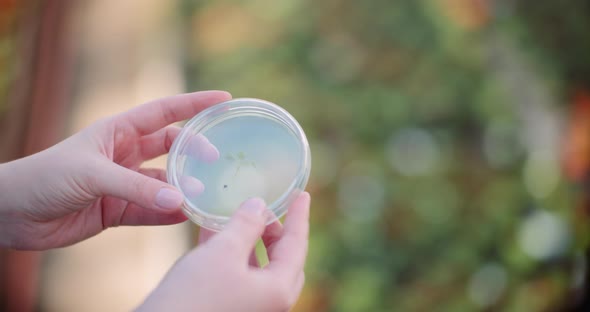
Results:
<point x="13" y="198"/>
<point x="11" y="184"/>
<point x="7" y="196"/>
<point x="8" y="204"/>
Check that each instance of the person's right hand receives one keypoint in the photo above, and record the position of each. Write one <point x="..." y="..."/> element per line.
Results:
<point x="94" y="179"/>
<point x="220" y="274"/>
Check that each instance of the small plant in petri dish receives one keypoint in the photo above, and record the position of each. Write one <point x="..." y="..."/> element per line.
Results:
<point x="240" y="160"/>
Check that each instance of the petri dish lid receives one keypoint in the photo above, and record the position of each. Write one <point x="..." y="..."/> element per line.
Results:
<point x="236" y="150"/>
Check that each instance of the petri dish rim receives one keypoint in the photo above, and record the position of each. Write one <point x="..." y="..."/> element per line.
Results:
<point x="215" y="115"/>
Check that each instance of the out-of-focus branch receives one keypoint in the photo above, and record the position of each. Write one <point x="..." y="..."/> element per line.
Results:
<point x="33" y="120"/>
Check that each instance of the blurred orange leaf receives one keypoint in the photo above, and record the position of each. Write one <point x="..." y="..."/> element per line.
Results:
<point x="577" y="142"/>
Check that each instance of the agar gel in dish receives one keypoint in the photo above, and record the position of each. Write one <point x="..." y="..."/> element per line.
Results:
<point x="258" y="158"/>
<point x="236" y="150"/>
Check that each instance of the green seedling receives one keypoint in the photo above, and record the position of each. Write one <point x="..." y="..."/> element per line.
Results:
<point x="241" y="161"/>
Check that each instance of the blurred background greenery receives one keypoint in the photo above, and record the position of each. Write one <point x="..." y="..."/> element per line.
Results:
<point x="437" y="130"/>
<point x="450" y="140"/>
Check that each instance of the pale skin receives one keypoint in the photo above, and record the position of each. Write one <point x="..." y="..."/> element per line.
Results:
<point x="94" y="180"/>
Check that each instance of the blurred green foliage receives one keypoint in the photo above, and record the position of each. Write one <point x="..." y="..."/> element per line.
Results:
<point x="435" y="129"/>
<point x="8" y="38"/>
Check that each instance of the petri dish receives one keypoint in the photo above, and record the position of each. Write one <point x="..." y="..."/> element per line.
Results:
<point x="236" y="150"/>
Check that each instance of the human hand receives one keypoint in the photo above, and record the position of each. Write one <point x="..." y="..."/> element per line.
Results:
<point x="93" y="180"/>
<point x="222" y="275"/>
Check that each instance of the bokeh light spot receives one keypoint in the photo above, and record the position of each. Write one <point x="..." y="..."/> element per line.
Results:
<point x="414" y="152"/>
<point x="361" y="197"/>
<point x="541" y="175"/>
<point x="543" y="235"/>
<point x="487" y="284"/>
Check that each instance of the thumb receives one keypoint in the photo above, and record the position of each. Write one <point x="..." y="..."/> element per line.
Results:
<point x="244" y="228"/>
<point x="120" y="182"/>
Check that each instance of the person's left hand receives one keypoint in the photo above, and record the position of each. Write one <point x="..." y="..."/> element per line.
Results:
<point x="223" y="275"/>
<point x="93" y="180"/>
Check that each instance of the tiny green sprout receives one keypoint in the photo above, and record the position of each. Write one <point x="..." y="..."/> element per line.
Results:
<point x="241" y="161"/>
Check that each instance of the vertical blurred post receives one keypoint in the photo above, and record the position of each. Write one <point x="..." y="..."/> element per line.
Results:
<point x="32" y="114"/>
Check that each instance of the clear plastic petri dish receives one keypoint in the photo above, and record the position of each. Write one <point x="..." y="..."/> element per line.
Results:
<point x="236" y="150"/>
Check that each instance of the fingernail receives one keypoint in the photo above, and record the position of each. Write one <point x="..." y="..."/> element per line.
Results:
<point x="306" y="194"/>
<point x="255" y="206"/>
<point x="168" y="198"/>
